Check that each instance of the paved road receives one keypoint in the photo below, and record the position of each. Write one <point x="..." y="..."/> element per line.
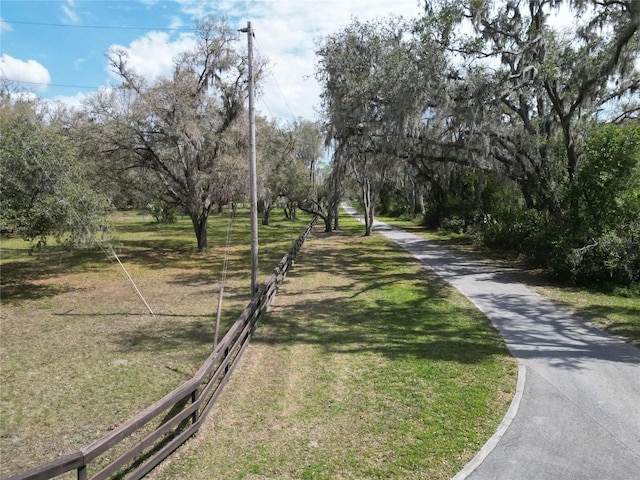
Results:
<point x="576" y="414"/>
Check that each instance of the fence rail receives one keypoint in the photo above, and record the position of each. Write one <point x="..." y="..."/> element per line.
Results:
<point x="184" y="409"/>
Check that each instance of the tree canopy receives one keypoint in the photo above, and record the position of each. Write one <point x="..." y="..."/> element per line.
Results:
<point x="288" y="156"/>
<point x="489" y="108"/>
<point x="184" y="128"/>
<point x="483" y="116"/>
<point x="45" y="189"/>
<point x="178" y="142"/>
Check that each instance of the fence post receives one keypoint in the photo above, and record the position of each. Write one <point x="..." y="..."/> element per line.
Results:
<point x="82" y="473"/>
<point x="194" y="398"/>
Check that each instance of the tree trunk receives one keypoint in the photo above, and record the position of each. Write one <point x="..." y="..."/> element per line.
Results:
<point x="336" y="216"/>
<point x="368" y="208"/>
<point x="419" y="208"/>
<point x="200" y="228"/>
<point x="318" y="210"/>
<point x="327" y="223"/>
<point x="266" y="213"/>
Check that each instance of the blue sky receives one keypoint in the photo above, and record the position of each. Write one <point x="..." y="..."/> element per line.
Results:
<point x="60" y="45"/>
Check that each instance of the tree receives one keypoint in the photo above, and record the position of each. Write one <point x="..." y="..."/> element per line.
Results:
<point x="308" y="148"/>
<point x="45" y="188"/>
<point x="377" y="80"/>
<point x="349" y="61"/>
<point x="608" y="185"/>
<point x="523" y="106"/>
<point x="607" y="193"/>
<point x="491" y="127"/>
<point x="180" y="128"/>
<point x="327" y="194"/>
<point x="285" y="155"/>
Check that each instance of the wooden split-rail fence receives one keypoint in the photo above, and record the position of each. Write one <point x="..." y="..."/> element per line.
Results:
<point x="136" y="447"/>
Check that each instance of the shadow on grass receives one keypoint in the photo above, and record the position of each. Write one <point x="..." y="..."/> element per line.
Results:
<point x="20" y="277"/>
<point x="396" y="333"/>
<point x="22" y="273"/>
<point x="168" y="335"/>
<point x="628" y="328"/>
<point x="165" y="332"/>
<point x="14" y="292"/>
<point x="370" y="313"/>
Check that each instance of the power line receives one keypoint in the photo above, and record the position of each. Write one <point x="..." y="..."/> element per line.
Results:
<point x="286" y="104"/>
<point x="50" y="84"/>
<point x="261" y="99"/>
<point x="63" y="85"/>
<point x="103" y="27"/>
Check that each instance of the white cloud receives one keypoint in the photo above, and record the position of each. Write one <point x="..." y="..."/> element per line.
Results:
<point x="31" y="72"/>
<point x="74" y="101"/>
<point x="152" y="55"/>
<point x="286" y="32"/>
<point x="69" y="14"/>
<point x="176" y="22"/>
<point x="4" y="26"/>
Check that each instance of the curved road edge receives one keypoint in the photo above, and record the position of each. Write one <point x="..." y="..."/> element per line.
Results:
<point x="500" y="431"/>
<point x="578" y="417"/>
<point x="493" y="441"/>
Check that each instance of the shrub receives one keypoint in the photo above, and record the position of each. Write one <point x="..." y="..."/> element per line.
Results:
<point x="453" y="224"/>
<point x="162" y="212"/>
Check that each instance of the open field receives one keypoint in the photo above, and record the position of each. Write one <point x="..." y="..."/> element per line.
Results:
<point x="367" y="366"/>
<point x="80" y="354"/>
<point x="617" y="311"/>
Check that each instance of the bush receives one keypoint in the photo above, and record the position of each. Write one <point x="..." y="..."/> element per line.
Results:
<point x="605" y="223"/>
<point x="46" y="188"/>
<point x="452" y="224"/>
<point x="518" y="230"/>
<point x="596" y="239"/>
<point x="607" y="260"/>
<point x="162" y="212"/>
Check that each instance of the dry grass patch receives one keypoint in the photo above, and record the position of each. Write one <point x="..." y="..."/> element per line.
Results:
<point x="79" y="352"/>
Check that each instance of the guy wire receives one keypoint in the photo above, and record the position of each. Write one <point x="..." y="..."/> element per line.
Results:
<point x="223" y="277"/>
<point x="89" y="232"/>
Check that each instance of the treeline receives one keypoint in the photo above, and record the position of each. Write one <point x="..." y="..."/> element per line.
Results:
<point x="483" y="117"/>
<point x="175" y="144"/>
<point x="480" y="117"/>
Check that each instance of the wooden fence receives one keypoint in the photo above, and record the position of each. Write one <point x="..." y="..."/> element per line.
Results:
<point x="133" y="449"/>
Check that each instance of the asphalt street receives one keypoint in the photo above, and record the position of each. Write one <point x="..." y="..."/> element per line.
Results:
<point x="576" y="414"/>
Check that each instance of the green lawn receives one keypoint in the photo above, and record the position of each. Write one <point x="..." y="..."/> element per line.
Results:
<point x="367" y="366"/>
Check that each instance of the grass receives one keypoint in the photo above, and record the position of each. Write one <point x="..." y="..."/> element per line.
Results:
<point x="80" y="354"/>
<point x="367" y="366"/>
<point x="616" y="311"/>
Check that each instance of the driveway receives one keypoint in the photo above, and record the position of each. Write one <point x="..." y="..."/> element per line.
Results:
<point x="576" y="414"/>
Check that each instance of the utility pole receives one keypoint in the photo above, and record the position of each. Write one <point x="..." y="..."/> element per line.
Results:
<point x="253" y="198"/>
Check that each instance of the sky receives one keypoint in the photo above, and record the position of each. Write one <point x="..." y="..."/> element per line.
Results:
<point x="60" y="46"/>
